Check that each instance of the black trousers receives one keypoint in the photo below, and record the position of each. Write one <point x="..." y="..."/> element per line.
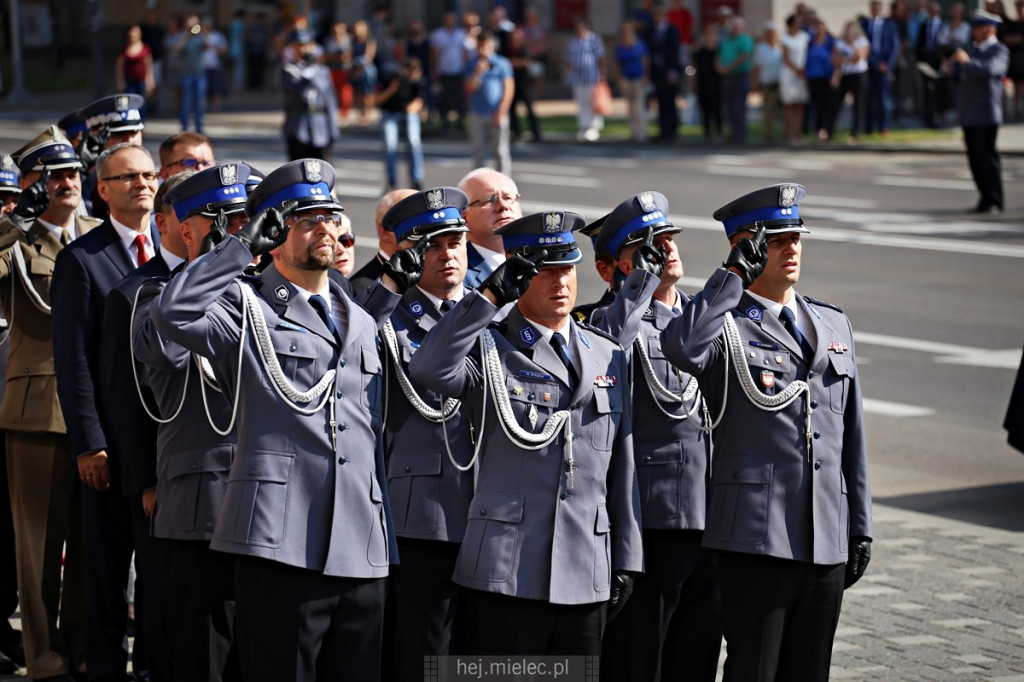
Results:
<point x="200" y="627"/>
<point x="107" y="525"/>
<point x="8" y="566"/>
<point x="523" y="94"/>
<point x="151" y="651"/>
<point x="300" y="150"/>
<point x="297" y="625"/>
<point x="668" y="112"/>
<point x="671" y="627"/>
<point x="779" y="617"/>
<point x="422" y="606"/>
<point x="986" y="168"/>
<point x="508" y="626"/>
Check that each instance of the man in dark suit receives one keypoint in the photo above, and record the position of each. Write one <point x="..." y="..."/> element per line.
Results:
<point x="790" y="511"/>
<point x="927" y="51"/>
<point x="665" y="72"/>
<point x="193" y="452"/>
<point x="884" y="37"/>
<point x="493" y="203"/>
<point x="134" y="433"/>
<point x="553" y="533"/>
<point x="84" y="274"/>
<point x="362" y="278"/>
<point x="980" y="106"/>
<point x="427" y="442"/>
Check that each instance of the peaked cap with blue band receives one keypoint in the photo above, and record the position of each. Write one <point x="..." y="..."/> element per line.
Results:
<point x="628" y="223"/>
<point x="255" y="178"/>
<point x="776" y="208"/>
<point x="426" y="214"/>
<point x="983" y="18"/>
<point x="73" y="124"/>
<point x="304" y="183"/>
<point x="592" y="230"/>
<point x="9" y="175"/>
<point x="220" y="188"/>
<point x="48" y="150"/>
<point x="550" y="230"/>
<point x="117" y="113"/>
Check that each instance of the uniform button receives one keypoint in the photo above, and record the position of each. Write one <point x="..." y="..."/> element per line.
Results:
<point x="341" y="363"/>
<point x="568" y="466"/>
<point x="342" y="460"/>
<point x="340" y="394"/>
<point x="814" y="404"/>
<point x="817" y="465"/>
<point x="817" y="435"/>
<point x="408" y="469"/>
<point x="483" y="512"/>
<point x="342" y="427"/>
<point x="766" y="361"/>
<point x="611" y="406"/>
<point x="810" y="375"/>
<point x="647" y="458"/>
<point x="532" y="396"/>
<point x="575" y="406"/>
<point x="25" y="371"/>
<point x="564" y="495"/>
<point x="291" y="347"/>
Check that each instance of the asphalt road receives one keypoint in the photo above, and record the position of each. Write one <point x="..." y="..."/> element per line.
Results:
<point x="935" y="294"/>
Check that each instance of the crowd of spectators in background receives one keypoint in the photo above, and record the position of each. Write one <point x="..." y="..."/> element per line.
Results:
<point x="868" y="72"/>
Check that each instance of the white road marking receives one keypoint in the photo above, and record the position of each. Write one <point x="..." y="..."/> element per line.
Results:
<point x="924" y="183"/>
<point x="890" y="409"/>
<point x="947" y="353"/>
<point x="548" y="179"/>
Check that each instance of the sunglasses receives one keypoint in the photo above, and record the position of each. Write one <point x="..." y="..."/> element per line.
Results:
<point x="348" y="240"/>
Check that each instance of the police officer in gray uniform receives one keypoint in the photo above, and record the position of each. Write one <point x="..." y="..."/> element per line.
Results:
<point x="671" y="627"/>
<point x="195" y="447"/>
<point x="306" y="509"/>
<point x="310" y="104"/>
<point x="554" y="526"/>
<point x="790" y="508"/>
<point x="427" y="442"/>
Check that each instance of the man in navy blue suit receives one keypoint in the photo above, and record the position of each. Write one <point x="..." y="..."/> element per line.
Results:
<point x="665" y="72"/>
<point x="84" y="273"/>
<point x="884" y="37"/>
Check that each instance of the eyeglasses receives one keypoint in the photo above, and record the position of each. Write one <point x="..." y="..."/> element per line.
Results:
<point x="128" y="178"/>
<point x="492" y="199"/>
<point x="189" y="162"/>
<point x="311" y="222"/>
<point x="348" y="240"/>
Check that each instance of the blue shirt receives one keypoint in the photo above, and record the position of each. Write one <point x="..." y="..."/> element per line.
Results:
<point x="485" y="99"/>
<point x="819" y="59"/>
<point x="631" y="60"/>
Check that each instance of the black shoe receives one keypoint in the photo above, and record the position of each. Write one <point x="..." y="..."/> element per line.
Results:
<point x="7" y="666"/>
<point x="13" y="648"/>
<point x="985" y="210"/>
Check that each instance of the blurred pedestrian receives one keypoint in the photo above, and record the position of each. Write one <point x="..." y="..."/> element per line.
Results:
<point x="928" y="54"/>
<point x="633" y="60"/>
<point x="819" y="78"/>
<point x="401" y="102"/>
<point x="518" y="54"/>
<point x="793" y="78"/>
<point x="134" y="67"/>
<point x="709" y="82"/>
<point x="1013" y="38"/>
<point x="190" y="46"/>
<point x="490" y="87"/>
<point x="236" y="51"/>
<point x="154" y="35"/>
<point x="417" y="44"/>
<point x="735" y="54"/>
<point x="850" y="76"/>
<point x="584" y="67"/>
<point x="768" y="57"/>
<point x="257" y="45"/>
<point x="666" y="71"/>
<point x="215" y="49"/>
<point x="448" y="63"/>
<point x="338" y="58"/>
<point x="310" y="103"/>
<point x="363" y="74"/>
<point x="883" y="37"/>
<point x="536" y="37"/>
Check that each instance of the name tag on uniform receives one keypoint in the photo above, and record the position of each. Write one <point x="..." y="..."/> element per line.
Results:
<point x="288" y="325"/>
<point x="540" y="376"/>
<point x="605" y="381"/>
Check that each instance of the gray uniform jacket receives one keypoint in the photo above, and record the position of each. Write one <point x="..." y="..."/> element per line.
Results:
<point x="310" y="105"/>
<point x="293" y="496"/>
<point x="192" y="460"/>
<point x="429" y="496"/>
<point x="535" y="531"/>
<point x="771" y="494"/>
<point x="980" y="95"/>
<point x="673" y="456"/>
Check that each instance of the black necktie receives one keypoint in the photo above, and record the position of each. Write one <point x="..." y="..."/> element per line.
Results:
<point x="320" y="306"/>
<point x="446" y="306"/>
<point x="789" y="322"/>
<point x="558" y="343"/>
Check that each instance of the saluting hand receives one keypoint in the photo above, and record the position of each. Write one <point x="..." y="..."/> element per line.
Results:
<point x="263" y="233"/>
<point x="32" y="203"/>
<point x="511" y="279"/>
<point x="405" y="267"/>
<point x="218" y="232"/>
<point x="648" y="257"/>
<point x="748" y="258"/>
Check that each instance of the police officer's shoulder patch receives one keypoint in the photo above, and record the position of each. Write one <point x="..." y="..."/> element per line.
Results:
<point x="598" y="332"/>
<point x="825" y="304"/>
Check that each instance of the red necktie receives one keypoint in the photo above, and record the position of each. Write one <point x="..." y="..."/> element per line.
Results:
<point x="140" y="249"/>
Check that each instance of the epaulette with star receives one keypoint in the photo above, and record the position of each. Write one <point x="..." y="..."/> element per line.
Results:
<point x="823" y="303"/>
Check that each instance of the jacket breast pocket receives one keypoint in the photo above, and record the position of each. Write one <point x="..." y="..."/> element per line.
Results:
<point x="194" y="490"/>
<point x="658" y="468"/>
<point x="741" y="500"/>
<point x="414" y="481"/>
<point x="602" y="550"/>
<point x="608" y="405"/>
<point x="258" y="490"/>
<point x="492" y="533"/>
<point x="371" y="379"/>
<point x="524" y="394"/>
<point x="768" y="367"/>
<point x="838" y="380"/>
<point x="665" y="372"/>
<point x="296" y="353"/>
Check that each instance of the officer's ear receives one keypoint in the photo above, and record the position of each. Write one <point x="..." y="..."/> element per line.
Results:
<point x="625" y="266"/>
<point x="185" y="228"/>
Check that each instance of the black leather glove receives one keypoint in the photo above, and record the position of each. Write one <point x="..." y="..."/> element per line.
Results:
<point x="511" y="279"/>
<point x="263" y="233"/>
<point x="622" y="587"/>
<point x="218" y="232"/>
<point x="618" y="279"/>
<point x="749" y="257"/>
<point x="406" y="266"/>
<point x="649" y="257"/>
<point x="92" y="147"/>
<point x="32" y="202"/>
<point x="857" y="563"/>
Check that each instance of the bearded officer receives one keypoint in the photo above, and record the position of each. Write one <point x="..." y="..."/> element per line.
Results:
<point x="195" y="442"/>
<point x="671" y="627"/>
<point x="306" y="508"/>
<point x="427" y="441"/>
<point x="553" y="530"/>
<point x="790" y="511"/>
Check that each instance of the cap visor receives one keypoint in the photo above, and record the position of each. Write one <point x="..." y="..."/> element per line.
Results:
<point x="571" y="257"/>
